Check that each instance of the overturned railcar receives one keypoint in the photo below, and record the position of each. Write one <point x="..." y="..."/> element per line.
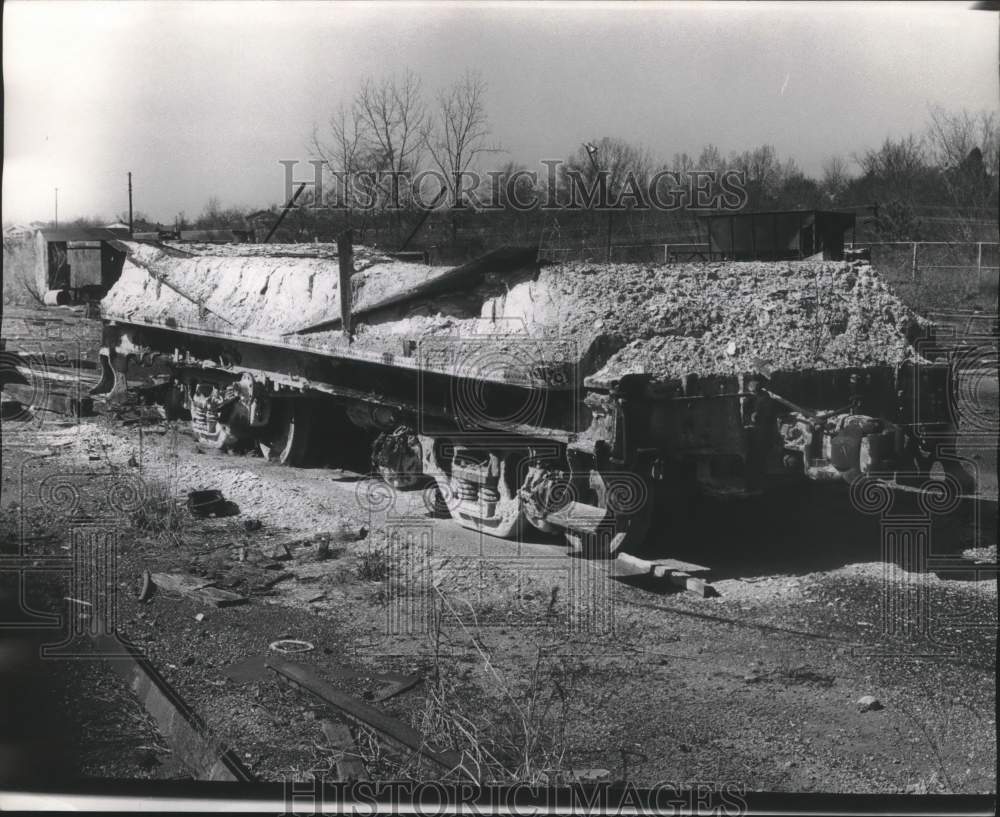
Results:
<point x="572" y="399"/>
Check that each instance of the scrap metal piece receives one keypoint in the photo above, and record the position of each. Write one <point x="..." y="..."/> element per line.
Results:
<point x="185" y="733"/>
<point x="198" y="589"/>
<point x="357" y="712"/>
<point x="402" y="686"/>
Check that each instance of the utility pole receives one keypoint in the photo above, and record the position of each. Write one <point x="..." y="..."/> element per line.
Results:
<point x="592" y="151"/>
<point x="57" y="208"/>
<point x="130" y="204"/>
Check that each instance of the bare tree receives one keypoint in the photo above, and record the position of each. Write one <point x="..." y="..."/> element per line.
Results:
<point x="616" y="158"/>
<point x="763" y="173"/>
<point x="835" y="177"/>
<point x="344" y="155"/>
<point x="393" y="112"/>
<point x="953" y="136"/>
<point x="373" y="141"/>
<point x="710" y="158"/>
<point x="458" y="130"/>
<point x="683" y="163"/>
<point x="900" y="163"/>
<point x="965" y="149"/>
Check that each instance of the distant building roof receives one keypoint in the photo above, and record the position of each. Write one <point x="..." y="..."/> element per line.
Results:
<point x="83" y="234"/>
<point x="116" y="226"/>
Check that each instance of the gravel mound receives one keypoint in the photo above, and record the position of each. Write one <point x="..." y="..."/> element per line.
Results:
<point x="723" y="318"/>
<point x="665" y="321"/>
<point x="255" y="293"/>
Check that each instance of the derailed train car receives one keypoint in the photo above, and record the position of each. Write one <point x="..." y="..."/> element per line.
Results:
<point x="568" y="398"/>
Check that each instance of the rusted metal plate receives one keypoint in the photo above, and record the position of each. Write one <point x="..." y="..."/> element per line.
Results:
<point x="183" y="730"/>
<point x="358" y="712"/>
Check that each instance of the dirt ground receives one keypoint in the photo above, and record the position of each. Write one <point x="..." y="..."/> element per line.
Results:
<point x="532" y="662"/>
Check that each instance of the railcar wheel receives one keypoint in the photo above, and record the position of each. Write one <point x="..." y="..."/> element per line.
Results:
<point x="285" y="439"/>
<point x="626" y="501"/>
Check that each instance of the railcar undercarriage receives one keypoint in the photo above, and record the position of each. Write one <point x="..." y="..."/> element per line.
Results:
<point x="591" y="464"/>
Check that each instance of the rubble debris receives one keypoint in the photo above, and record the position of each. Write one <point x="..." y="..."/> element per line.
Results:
<point x="673" y="571"/>
<point x="186" y="734"/>
<point x="199" y="589"/>
<point x="200" y="617"/>
<point x="279" y="551"/>
<point x="348" y="761"/>
<point x="210" y="503"/>
<point x="394" y="731"/>
<point x="666" y="321"/>
<point x="705" y="318"/>
<point x="291" y="645"/>
<point x="252" y="524"/>
<point x="869" y="703"/>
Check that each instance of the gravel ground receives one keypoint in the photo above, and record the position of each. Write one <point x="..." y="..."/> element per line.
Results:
<point x="756" y="687"/>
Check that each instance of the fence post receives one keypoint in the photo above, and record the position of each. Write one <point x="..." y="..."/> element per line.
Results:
<point x="913" y="265"/>
<point x="979" y="266"/>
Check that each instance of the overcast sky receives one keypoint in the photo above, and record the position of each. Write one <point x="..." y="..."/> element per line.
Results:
<point x="200" y="99"/>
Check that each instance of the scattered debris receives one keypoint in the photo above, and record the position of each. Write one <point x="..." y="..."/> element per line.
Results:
<point x="200" y="617"/>
<point x="279" y="551"/>
<point x="291" y="645"/>
<point x="210" y="503"/>
<point x="672" y="570"/>
<point x="349" y="763"/>
<point x="198" y="589"/>
<point x="252" y="524"/>
<point x="869" y="703"/>
<point x="394" y="731"/>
